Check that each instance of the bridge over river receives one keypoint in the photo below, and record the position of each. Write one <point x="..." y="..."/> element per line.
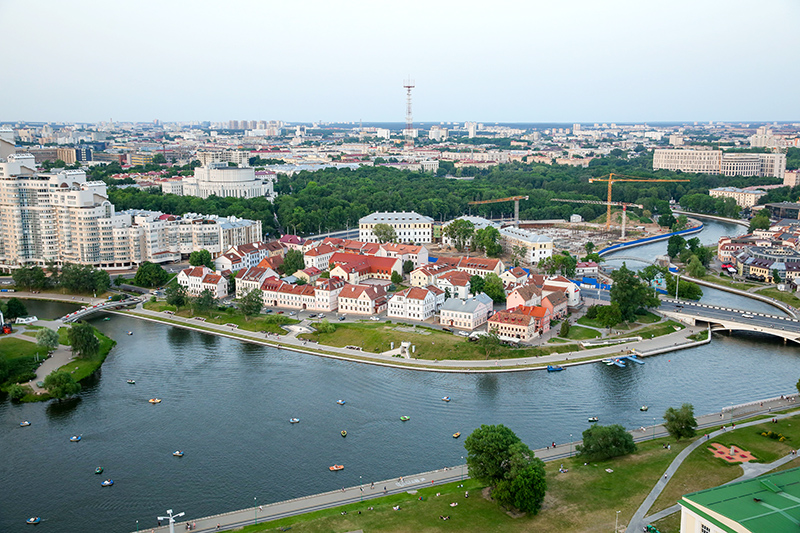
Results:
<point x="104" y="306"/>
<point x="725" y="318"/>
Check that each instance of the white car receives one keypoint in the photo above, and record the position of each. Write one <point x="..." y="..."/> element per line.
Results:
<point x="291" y="313"/>
<point x="374" y="318"/>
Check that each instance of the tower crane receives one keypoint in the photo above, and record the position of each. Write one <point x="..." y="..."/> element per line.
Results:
<point x="515" y="199"/>
<point x="624" y="205"/>
<point x="611" y="179"/>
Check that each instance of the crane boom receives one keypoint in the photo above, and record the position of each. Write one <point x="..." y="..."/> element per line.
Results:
<point x="514" y="199"/>
<point x="611" y="180"/>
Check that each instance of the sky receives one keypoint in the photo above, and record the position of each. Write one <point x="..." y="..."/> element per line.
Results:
<point x="332" y="60"/>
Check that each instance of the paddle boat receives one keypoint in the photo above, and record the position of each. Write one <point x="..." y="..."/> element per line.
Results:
<point x="344" y="433"/>
<point x="107" y="483"/>
<point x="177" y="453"/>
<point x="643" y="408"/>
<point x="130" y="333"/>
<point x="25" y="423"/>
<point x="456" y="434"/>
<point x="446" y="399"/>
<point x="106" y="319"/>
<point x="130" y="381"/>
<point x="334" y="468"/>
<point x="556" y="368"/>
<point x="405" y="418"/>
<point x="33" y="520"/>
<point x="340" y="402"/>
<point x="75" y="438"/>
<point x="154" y="400"/>
<point x="294" y="420"/>
<point x="592" y="419"/>
<point x="98" y="470"/>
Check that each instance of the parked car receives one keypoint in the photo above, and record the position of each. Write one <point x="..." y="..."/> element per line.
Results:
<point x="374" y="318"/>
<point x="267" y="311"/>
<point x="280" y="312"/>
<point x="312" y="315"/>
<point x="291" y="313"/>
<point x="342" y="317"/>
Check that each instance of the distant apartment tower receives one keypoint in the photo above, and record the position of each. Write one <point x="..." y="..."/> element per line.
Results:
<point x="437" y="134"/>
<point x="410" y="227"/>
<point x="718" y="162"/>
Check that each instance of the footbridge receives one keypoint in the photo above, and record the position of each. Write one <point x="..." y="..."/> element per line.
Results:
<point x="726" y="318"/>
<point x="105" y="306"/>
<point x="629" y="258"/>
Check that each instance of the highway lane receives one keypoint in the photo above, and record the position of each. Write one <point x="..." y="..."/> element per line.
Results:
<point x="748" y="318"/>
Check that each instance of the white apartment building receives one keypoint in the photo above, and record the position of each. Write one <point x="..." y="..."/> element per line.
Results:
<point x="416" y="303"/>
<point x="197" y="279"/>
<point x="537" y="246"/>
<point x="466" y="313"/>
<point x="221" y="180"/>
<point x="718" y="162"/>
<point x="410" y="227"/>
<point x="743" y="197"/>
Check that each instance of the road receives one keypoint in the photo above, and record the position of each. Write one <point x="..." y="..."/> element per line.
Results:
<point x="749" y="318"/>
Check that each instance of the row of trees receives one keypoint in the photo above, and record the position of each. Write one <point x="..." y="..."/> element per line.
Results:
<point x="464" y="235"/>
<point x="74" y="278"/>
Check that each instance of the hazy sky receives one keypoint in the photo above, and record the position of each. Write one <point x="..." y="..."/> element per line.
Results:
<point x="491" y="61"/>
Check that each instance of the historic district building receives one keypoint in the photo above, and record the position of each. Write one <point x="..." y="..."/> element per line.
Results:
<point x="410" y="227"/>
<point x="719" y="162"/>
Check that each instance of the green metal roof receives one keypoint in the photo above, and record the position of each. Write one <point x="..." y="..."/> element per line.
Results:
<point x="768" y="503"/>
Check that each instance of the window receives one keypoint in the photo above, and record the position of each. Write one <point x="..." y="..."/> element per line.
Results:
<point x="704" y="529"/>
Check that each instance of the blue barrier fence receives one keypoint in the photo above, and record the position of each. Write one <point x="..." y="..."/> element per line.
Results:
<point x="648" y="240"/>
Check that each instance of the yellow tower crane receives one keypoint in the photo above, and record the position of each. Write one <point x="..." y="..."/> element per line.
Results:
<point x="612" y="178"/>
<point x="624" y="205"/>
<point x="515" y="199"/>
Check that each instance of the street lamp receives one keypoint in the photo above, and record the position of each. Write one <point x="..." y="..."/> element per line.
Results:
<point x="137" y="525"/>
<point x="171" y="517"/>
<point x="255" y="510"/>
<point x="616" y="521"/>
<point x="654" y="428"/>
<point x="570" y="445"/>
<point x="462" y="468"/>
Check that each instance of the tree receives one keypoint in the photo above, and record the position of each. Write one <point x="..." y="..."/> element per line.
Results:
<point x="159" y="159"/>
<point x="518" y="253"/>
<point x="251" y="304"/>
<point x="118" y="281"/>
<point x="589" y="247"/>
<point x="384" y="233"/>
<point x="292" y="262"/>
<point x="489" y="343"/>
<point x="629" y="293"/>
<point x="695" y="268"/>
<point x="680" y="422"/>
<point x="666" y="220"/>
<point x="494" y="287"/>
<point x="487" y="240"/>
<point x="396" y="278"/>
<point x="61" y="385"/>
<point x="564" y="329"/>
<point x="609" y="315"/>
<point x="83" y="340"/>
<point x="675" y="246"/>
<point x="460" y="231"/>
<point x="495" y="455"/>
<point x="176" y="295"/>
<point x="681" y="223"/>
<point x="47" y="339"/>
<point x="204" y="302"/>
<point x="325" y="327"/>
<point x="604" y="442"/>
<point x="150" y="275"/>
<point x="17" y="392"/>
<point x="201" y="258"/>
<point x="408" y="266"/>
<point x="760" y="221"/>
<point x="776" y="278"/>
<point x="15" y="308"/>
<point x="476" y="284"/>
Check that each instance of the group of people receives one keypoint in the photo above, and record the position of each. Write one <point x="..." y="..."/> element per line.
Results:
<point x="444" y="517"/>
<point x="191" y="526"/>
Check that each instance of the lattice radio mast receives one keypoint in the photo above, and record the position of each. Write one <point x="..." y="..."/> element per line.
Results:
<point x="409" y="84"/>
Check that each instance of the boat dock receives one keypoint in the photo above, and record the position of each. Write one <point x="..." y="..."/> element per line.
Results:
<point x="620" y="361"/>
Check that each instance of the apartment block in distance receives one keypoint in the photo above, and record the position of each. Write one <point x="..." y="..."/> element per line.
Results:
<point x="410" y="227"/>
<point x="719" y="162"/>
<point x="744" y="198"/>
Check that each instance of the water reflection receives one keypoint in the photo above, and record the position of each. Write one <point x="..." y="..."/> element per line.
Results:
<point x="63" y="409"/>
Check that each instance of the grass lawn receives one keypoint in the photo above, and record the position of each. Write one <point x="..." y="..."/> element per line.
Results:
<point x="578" y="333"/>
<point x="11" y="348"/>
<point x="647" y="318"/>
<point x="83" y="368"/>
<point x="659" y="329"/>
<point x="728" y="282"/>
<point x="270" y="323"/>
<point x="430" y="343"/>
<point x="590" y="322"/>
<point x="785" y="297"/>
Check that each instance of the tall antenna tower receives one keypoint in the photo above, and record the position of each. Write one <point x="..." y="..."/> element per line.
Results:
<point x="409" y="84"/>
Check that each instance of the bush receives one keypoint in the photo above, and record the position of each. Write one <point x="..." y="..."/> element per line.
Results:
<point x="16" y="392"/>
<point x="591" y="313"/>
<point x="26" y="377"/>
<point x="774" y="435"/>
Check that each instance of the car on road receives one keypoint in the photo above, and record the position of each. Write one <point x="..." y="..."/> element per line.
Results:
<point x="280" y="312"/>
<point x="312" y="315"/>
<point x="745" y="315"/>
<point x="291" y="313"/>
<point x="267" y="311"/>
<point x="320" y="316"/>
<point x="374" y="318"/>
<point x="342" y="317"/>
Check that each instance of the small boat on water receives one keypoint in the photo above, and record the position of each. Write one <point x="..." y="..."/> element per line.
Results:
<point x="177" y="453"/>
<point x="98" y="470"/>
<point x="25" y="423"/>
<point x="107" y="483"/>
<point x="130" y="381"/>
<point x="340" y="402"/>
<point x="592" y="419"/>
<point x="608" y="362"/>
<point x="130" y="333"/>
<point x="75" y="438"/>
<point x="154" y="400"/>
<point x="405" y="418"/>
<point x="33" y="520"/>
<point x="456" y="434"/>
<point x="643" y="408"/>
<point x="446" y="399"/>
<point x="106" y="319"/>
<point x="294" y="420"/>
<point x="556" y="368"/>
<point x="344" y="433"/>
<point x="334" y="468"/>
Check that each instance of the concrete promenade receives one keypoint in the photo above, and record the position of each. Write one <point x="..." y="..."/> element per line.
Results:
<point x="370" y="490"/>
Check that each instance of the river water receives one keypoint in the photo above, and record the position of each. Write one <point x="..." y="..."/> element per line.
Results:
<point x="227" y="405"/>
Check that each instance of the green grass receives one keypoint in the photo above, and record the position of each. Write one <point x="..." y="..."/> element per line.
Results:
<point x="579" y="334"/>
<point x="659" y="329"/>
<point x="590" y="322"/>
<point x="271" y="322"/>
<point x="647" y="318"/>
<point x="785" y="297"/>
<point x="711" y="278"/>
<point x="12" y="348"/>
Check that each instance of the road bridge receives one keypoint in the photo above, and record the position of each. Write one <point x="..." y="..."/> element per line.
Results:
<point x="628" y="258"/>
<point x="97" y="308"/>
<point x="726" y="318"/>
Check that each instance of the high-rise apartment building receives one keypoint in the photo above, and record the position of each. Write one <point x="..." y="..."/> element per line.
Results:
<point x="719" y="162"/>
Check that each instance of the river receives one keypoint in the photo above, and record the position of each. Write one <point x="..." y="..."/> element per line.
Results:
<point x="227" y="405"/>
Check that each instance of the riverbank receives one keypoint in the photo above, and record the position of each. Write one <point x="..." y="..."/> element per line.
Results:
<point x="646" y="347"/>
<point x="736" y="221"/>
<point x="427" y="484"/>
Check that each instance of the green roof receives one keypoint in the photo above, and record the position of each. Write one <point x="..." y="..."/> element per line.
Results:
<point x="766" y="503"/>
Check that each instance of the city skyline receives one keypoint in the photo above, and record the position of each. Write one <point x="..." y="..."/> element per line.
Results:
<point x="621" y="61"/>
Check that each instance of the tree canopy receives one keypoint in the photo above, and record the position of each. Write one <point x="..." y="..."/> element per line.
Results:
<point x="83" y="340"/>
<point x="384" y="233"/>
<point x="604" y="442"/>
<point x="204" y="301"/>
<point x="150" y="275"/>
<point x="292" y="262"/>
<point x="250" y="304"/>
<point x="176" y="295"/>
<point x="629" y="293"/>
<point x="61" y="384"/>
<point x="15" y="309"/>
<point x="680" y="422"/>
<point x="47" y="338"/>
<point x="460" y="231"/>
<point x="201" y="258"/>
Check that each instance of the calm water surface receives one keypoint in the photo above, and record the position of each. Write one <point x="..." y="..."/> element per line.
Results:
<point x="227" y="405"/>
